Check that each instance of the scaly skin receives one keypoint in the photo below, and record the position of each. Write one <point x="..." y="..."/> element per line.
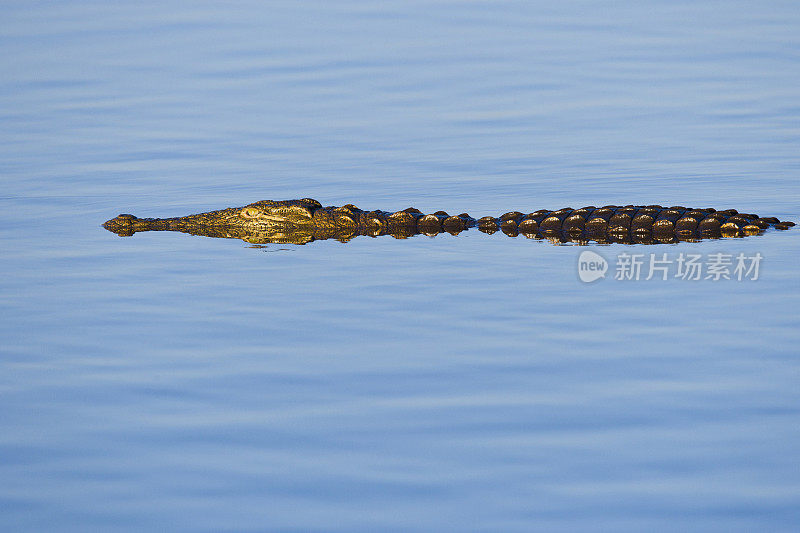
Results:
<point x="303" y="221"/>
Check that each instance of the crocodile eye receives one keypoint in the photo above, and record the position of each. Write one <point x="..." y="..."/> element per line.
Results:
<point x="250" y="212"/>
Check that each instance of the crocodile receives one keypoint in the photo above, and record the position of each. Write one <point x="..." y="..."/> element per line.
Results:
<point x="305" y="220"/>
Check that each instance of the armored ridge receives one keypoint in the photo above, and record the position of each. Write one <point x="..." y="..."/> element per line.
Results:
<point x="306" y="220"/>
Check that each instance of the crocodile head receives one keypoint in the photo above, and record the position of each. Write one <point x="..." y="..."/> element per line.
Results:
<point x="266" y="215"/>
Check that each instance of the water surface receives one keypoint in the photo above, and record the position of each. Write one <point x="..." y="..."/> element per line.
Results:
<point x="469" y="383"/>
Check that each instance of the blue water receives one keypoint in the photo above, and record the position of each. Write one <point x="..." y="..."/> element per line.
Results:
<point x="470" y="383"/>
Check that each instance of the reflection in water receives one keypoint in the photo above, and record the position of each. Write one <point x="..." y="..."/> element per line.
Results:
<point x="305" y="220"/>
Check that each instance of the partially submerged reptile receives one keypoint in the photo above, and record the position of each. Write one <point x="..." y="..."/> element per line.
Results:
<point x="306" y="220"/>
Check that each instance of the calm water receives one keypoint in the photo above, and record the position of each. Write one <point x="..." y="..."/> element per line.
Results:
<point x="470" y="383"/>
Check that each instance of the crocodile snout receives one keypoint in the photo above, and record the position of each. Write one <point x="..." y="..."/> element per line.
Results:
<point x="121" y="224"/>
